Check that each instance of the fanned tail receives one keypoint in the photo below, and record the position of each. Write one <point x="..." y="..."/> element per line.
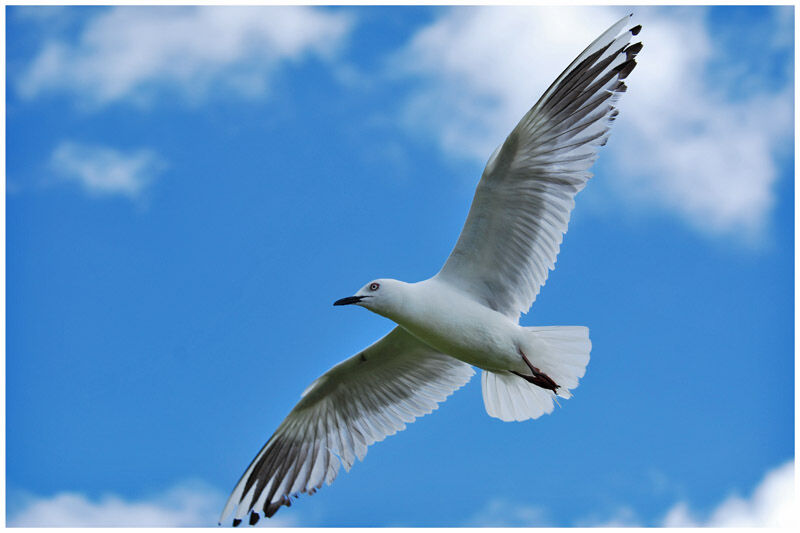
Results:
<point x="562" y="354"/>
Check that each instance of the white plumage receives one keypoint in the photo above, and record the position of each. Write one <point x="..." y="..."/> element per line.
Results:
<point x="468" y="313"/>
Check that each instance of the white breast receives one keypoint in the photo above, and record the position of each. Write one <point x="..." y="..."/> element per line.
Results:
<point x="453" y="323"/>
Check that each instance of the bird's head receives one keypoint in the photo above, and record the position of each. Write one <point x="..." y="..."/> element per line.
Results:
<point x="382" y="296"/>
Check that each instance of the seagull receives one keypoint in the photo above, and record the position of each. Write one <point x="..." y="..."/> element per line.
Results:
<point x="468" y="313"/>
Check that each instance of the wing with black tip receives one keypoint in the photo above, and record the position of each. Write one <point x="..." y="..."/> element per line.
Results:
<point x="523" y="201"/>
<point x="358" y="402"/>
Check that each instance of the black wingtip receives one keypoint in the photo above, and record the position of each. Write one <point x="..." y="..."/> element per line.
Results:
<point x="254" y="518"/>
<point x="636" y="29"/>
<point x="236" y="522"/>
<point x="625" y="68"/>
<point x="632" y="50"/>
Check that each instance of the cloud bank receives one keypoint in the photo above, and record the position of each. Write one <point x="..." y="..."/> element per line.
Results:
<point x="691" y="140"/>
<point x="104" y="171"/>
<point x="130" y="53"/>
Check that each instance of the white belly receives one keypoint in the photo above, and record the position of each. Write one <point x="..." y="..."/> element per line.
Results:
<point x="462" y="328"/>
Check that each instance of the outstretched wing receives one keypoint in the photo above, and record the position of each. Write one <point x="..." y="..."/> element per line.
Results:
<point x="522" y="204"/>
<point x="357" y="402"/>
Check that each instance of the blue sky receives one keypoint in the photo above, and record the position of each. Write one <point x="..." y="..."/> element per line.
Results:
<point x="188" y="190"/>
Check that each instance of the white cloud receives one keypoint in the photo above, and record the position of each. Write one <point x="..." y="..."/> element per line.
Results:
<point x="105" y="171"/>
<point x="682" y="143"/>
<point x="772" y="504"/>
<point x="188" y="504"/>
<point x="127" y="53"/>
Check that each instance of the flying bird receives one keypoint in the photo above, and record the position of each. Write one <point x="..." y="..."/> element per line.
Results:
<point x="467" y="314"/>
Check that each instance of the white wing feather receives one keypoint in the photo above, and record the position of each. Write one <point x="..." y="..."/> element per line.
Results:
<point x="358" y="402"/>
<point x="522" y="204"/>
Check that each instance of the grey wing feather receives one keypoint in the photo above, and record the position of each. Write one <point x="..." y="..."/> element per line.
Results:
<point x="358" y="402"/>
<point x="523" y="202"/>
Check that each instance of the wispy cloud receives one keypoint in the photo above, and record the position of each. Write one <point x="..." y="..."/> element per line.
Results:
<point x="691" y="140"/>
<point x="623" y="516"/>
<point x="188" y="504"/>
<point x="131" y="53"/>
<point x="501" y="513"/>
<point x="771" y="504"/>
<point x="105" y="171"/>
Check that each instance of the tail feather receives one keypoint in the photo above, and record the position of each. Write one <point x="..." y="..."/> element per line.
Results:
<point x="566" y="354"/>
<point x="562" y="352"/>
<point x="509" y="397"/>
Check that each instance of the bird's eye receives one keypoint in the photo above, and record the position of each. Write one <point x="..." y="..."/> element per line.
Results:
<point x="374" y="286"/>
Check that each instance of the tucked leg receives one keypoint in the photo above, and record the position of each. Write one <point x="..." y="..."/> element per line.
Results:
<point x="538" y="378"/>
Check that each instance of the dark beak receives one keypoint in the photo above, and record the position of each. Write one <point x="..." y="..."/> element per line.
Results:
<point x="349" y="300"/>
